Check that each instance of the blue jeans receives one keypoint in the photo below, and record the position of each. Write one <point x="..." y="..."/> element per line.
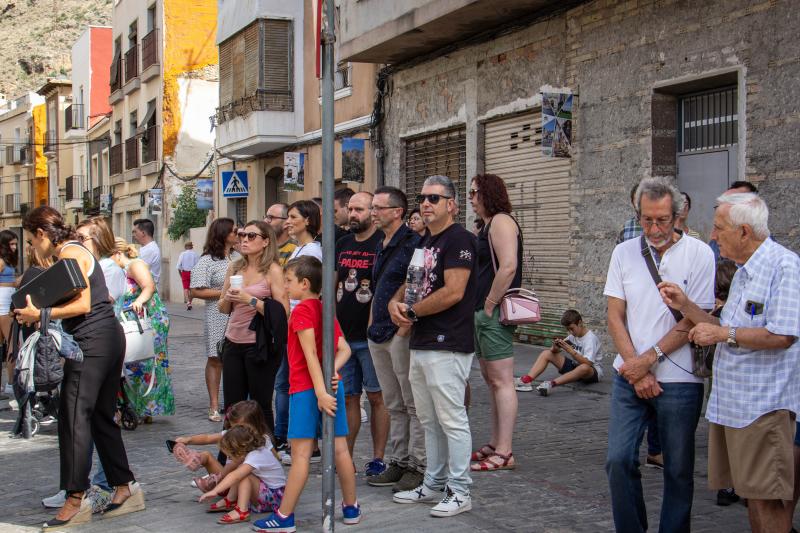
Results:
<point x="653" y="443"/>
<point x="677" y="411"/>
<point x="99" y="477"/>
<point x="282" y="400"/>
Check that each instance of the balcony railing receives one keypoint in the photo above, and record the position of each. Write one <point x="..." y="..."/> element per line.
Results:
<point x="131" y="64"/>
<point x="131" y="153"/>
<point x="56" y="202"/>
<point x="50" y="141"/>
<point x="89" y="207"/>
<point x="12" y="202"/>
<point x="262" y="100"/>
<point x="74" y="188"/>
<point x="150" y="49"/>
<point x="116" y="77"/>
<point x="73" y="117"/>
<point x="150" y="144"/>
<point x="115" y="159"/>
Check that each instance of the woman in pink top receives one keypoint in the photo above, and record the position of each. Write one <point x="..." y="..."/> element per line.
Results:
<point x="247" y="374"/>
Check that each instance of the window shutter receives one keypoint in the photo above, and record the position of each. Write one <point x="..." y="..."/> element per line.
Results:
<point x="237" y="60"/>
<point x="225" y="73"/>
<point x="251" y="63"/>
<point x="277" y="64"/>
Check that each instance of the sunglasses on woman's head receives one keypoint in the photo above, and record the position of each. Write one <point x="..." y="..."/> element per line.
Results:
<point x="432" y="198"/>
<point x="250" y="235"/>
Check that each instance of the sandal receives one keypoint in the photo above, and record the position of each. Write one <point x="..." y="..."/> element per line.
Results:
<point x="189" y="458"/>
<point x="244" y="516"/>
<point x="226" y="506"/>
<point x="483" y="453"/>
<point x="491" y="463"/>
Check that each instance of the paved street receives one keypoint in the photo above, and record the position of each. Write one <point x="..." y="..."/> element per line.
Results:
<point x="558" y="486"/>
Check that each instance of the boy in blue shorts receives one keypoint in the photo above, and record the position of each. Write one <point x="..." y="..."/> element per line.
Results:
<point x="308" y="397"/>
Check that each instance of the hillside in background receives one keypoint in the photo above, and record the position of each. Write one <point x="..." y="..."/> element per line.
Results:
<point x="36" y="38"/>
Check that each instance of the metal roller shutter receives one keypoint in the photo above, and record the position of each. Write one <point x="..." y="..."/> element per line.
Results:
<point x="538" y="187"/>
<point x="444" y="153"/>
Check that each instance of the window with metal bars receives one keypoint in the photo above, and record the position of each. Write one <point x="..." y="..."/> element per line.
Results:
<point x="708" y="120"/>
<point x="443" y="153"/>
<point x="240" y="210"/>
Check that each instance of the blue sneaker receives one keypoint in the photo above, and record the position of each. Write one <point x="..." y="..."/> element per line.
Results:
<point x="275" y="524"/>
<point x="351" y="513"/>
<point x="374" y="467"/>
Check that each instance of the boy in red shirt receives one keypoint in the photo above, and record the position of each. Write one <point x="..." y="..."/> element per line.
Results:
<point x="308" y="397"/>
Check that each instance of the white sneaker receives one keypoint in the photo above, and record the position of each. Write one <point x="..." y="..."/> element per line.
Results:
<point x="522" y="386"/>
<point x="544" y="388"/>
<point x="421" y="494"/>
<point x="56" y="501"/>
<point x="452" y="504"/>
<point x="364" y="417"/>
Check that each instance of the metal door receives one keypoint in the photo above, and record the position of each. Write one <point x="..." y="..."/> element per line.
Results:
<point x="704" y="176"/>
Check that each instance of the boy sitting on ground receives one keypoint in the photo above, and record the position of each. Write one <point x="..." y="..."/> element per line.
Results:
<point x="583" y="364"/>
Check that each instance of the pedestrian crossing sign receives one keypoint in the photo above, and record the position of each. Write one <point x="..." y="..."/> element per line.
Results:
<point x="234" y="184"/>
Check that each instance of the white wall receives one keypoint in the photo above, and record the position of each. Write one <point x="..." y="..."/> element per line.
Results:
<point x="198" y="101"/>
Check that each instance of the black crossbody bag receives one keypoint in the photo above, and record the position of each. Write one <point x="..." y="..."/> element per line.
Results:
<point x="702" y="356"/>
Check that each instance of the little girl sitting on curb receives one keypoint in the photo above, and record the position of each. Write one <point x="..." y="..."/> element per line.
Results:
<point x="257" y="481"/>
<point x="246" y="413"/>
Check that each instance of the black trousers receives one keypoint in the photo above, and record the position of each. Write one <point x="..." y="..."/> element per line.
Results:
<point x="88" y="402"/>
<point x="245" y="378"/>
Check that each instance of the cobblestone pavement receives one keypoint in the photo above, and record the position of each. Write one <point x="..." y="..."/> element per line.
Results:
<point x="559" y="484"/>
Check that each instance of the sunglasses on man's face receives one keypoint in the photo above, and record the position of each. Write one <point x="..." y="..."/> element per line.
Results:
<point x="432" y="198"/>
<point x="249" y="235"/>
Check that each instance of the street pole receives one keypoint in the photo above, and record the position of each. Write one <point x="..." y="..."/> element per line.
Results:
<point x="328" y="260"/>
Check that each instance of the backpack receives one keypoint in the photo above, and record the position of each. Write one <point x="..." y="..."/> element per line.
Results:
<point x="40" y="356"/>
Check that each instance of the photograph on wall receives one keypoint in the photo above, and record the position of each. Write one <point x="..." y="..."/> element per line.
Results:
<point x="556" y="124"/>
<point x="294" y="171"/>
<point x="205" y="194"/>
<point x="353" y="160"/>
<point x="156" y="206"/>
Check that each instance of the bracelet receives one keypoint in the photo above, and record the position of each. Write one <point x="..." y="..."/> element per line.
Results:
<point x="491" y="301"/>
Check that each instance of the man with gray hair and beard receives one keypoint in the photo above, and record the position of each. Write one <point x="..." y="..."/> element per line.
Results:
<point x="654" y="364"/>
<point x="756" y="393"/>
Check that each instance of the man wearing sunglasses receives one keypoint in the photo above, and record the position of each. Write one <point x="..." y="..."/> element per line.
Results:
<point x="442" y="348"/>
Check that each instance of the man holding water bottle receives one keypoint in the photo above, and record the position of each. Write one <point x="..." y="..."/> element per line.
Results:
<point x="437" y="303"/>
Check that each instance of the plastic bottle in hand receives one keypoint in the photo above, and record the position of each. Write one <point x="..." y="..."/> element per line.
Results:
<point x="415" y="277"/>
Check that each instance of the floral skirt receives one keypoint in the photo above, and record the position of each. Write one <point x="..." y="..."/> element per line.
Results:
<point x="269" y="500"/>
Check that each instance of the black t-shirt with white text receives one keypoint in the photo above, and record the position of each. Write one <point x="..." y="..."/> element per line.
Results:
<point x="354" y="261"/>
<point x="452" y="329"/>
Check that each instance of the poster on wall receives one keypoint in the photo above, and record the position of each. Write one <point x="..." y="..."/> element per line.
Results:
<point x="205" y="194"/>
<point x="294" y="171"/>
<point x="556" y="124"/>
<point x="156" y="204"/>
<point x="353" y="160"/>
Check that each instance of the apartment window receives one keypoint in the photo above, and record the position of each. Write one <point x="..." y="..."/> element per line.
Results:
<point x="709" y="120"/>
<point x="115" y="79"/>
<point x="17" y="184"/>
<point x="256" y="69"/>
<point x="102" y="171"/>
<point x="132" y="124"/>
<point x="95" y="171"/>
<point x="151" y="18"/>
<point x="133" y="30"/>
<point x="240" y="210"/>
<point x="118" y="132"/>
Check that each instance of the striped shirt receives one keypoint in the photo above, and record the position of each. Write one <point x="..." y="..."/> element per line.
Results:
<point x="764" y="293"/>
<point x="285" y="251"/>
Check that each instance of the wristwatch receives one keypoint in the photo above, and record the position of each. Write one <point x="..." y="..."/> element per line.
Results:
<point x="659" y="354"/>
<point x="253" y="301"/>
<point x="731" y="340"/>
<point x="412" y="316"/>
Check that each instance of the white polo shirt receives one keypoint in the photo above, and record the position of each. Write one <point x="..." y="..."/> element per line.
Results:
<point x="689" y="263"/>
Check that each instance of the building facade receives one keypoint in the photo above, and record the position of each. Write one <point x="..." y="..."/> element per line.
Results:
<point x="270" y="104"/>
<point x="58" y="150"/>
<point x="163" y="89"/>
<point x="702" y="93"/>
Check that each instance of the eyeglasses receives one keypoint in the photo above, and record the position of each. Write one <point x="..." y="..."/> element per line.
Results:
<point x="250" y="235"/>
<point x="472" y="193"/>
<point x="432" y="198"/>
<point x="30" y="242"/>
<point x="663" y="222"/>
<point x="270" y="218"/>
<point x="382" y="207"/>
<point x="84" y="238"/>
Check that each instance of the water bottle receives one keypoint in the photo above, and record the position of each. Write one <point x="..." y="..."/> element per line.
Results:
<point x="415" y="277"/>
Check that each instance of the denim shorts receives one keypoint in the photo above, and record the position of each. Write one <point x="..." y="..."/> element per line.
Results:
<point x="358" y="373"/>
<point x="570" y="365"/>
<point x="305" y="418"/>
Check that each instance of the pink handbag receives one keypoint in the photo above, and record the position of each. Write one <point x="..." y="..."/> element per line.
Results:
<point x="517" y="306"/>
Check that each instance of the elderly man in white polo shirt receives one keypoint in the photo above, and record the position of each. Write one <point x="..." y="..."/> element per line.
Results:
<point x="756" y="393"/>
<point x="654" y="361"/>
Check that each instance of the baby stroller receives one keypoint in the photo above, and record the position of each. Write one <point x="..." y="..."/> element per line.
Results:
<point x="128" y="419"/>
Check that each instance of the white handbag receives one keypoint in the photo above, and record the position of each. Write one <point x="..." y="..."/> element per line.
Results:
<point x="139" y="338"/>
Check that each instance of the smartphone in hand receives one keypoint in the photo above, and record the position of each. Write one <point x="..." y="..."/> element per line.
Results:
<point x="170" y="445"/>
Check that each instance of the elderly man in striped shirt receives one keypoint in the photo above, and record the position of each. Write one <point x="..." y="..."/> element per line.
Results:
<point x="755" y="395"/>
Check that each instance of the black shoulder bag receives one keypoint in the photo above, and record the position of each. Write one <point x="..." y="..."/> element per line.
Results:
<point x="702" y="356"/>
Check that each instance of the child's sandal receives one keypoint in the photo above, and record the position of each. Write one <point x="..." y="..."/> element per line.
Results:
<point x="244" y="516"/>
<point x="226" y="506"/>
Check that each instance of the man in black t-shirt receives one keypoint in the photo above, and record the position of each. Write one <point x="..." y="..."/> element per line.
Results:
<point x="442" y="348"/>
<point x="355" y="256"/>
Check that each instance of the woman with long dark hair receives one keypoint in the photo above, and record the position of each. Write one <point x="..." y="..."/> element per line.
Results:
<point x="246" y="373"/>
<point x="208" y="277"/>
<point x="499" y="269"/>
<point x="303" y="226"/>
<point x="8" y="284"/>
<point x="89" y="389"/>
